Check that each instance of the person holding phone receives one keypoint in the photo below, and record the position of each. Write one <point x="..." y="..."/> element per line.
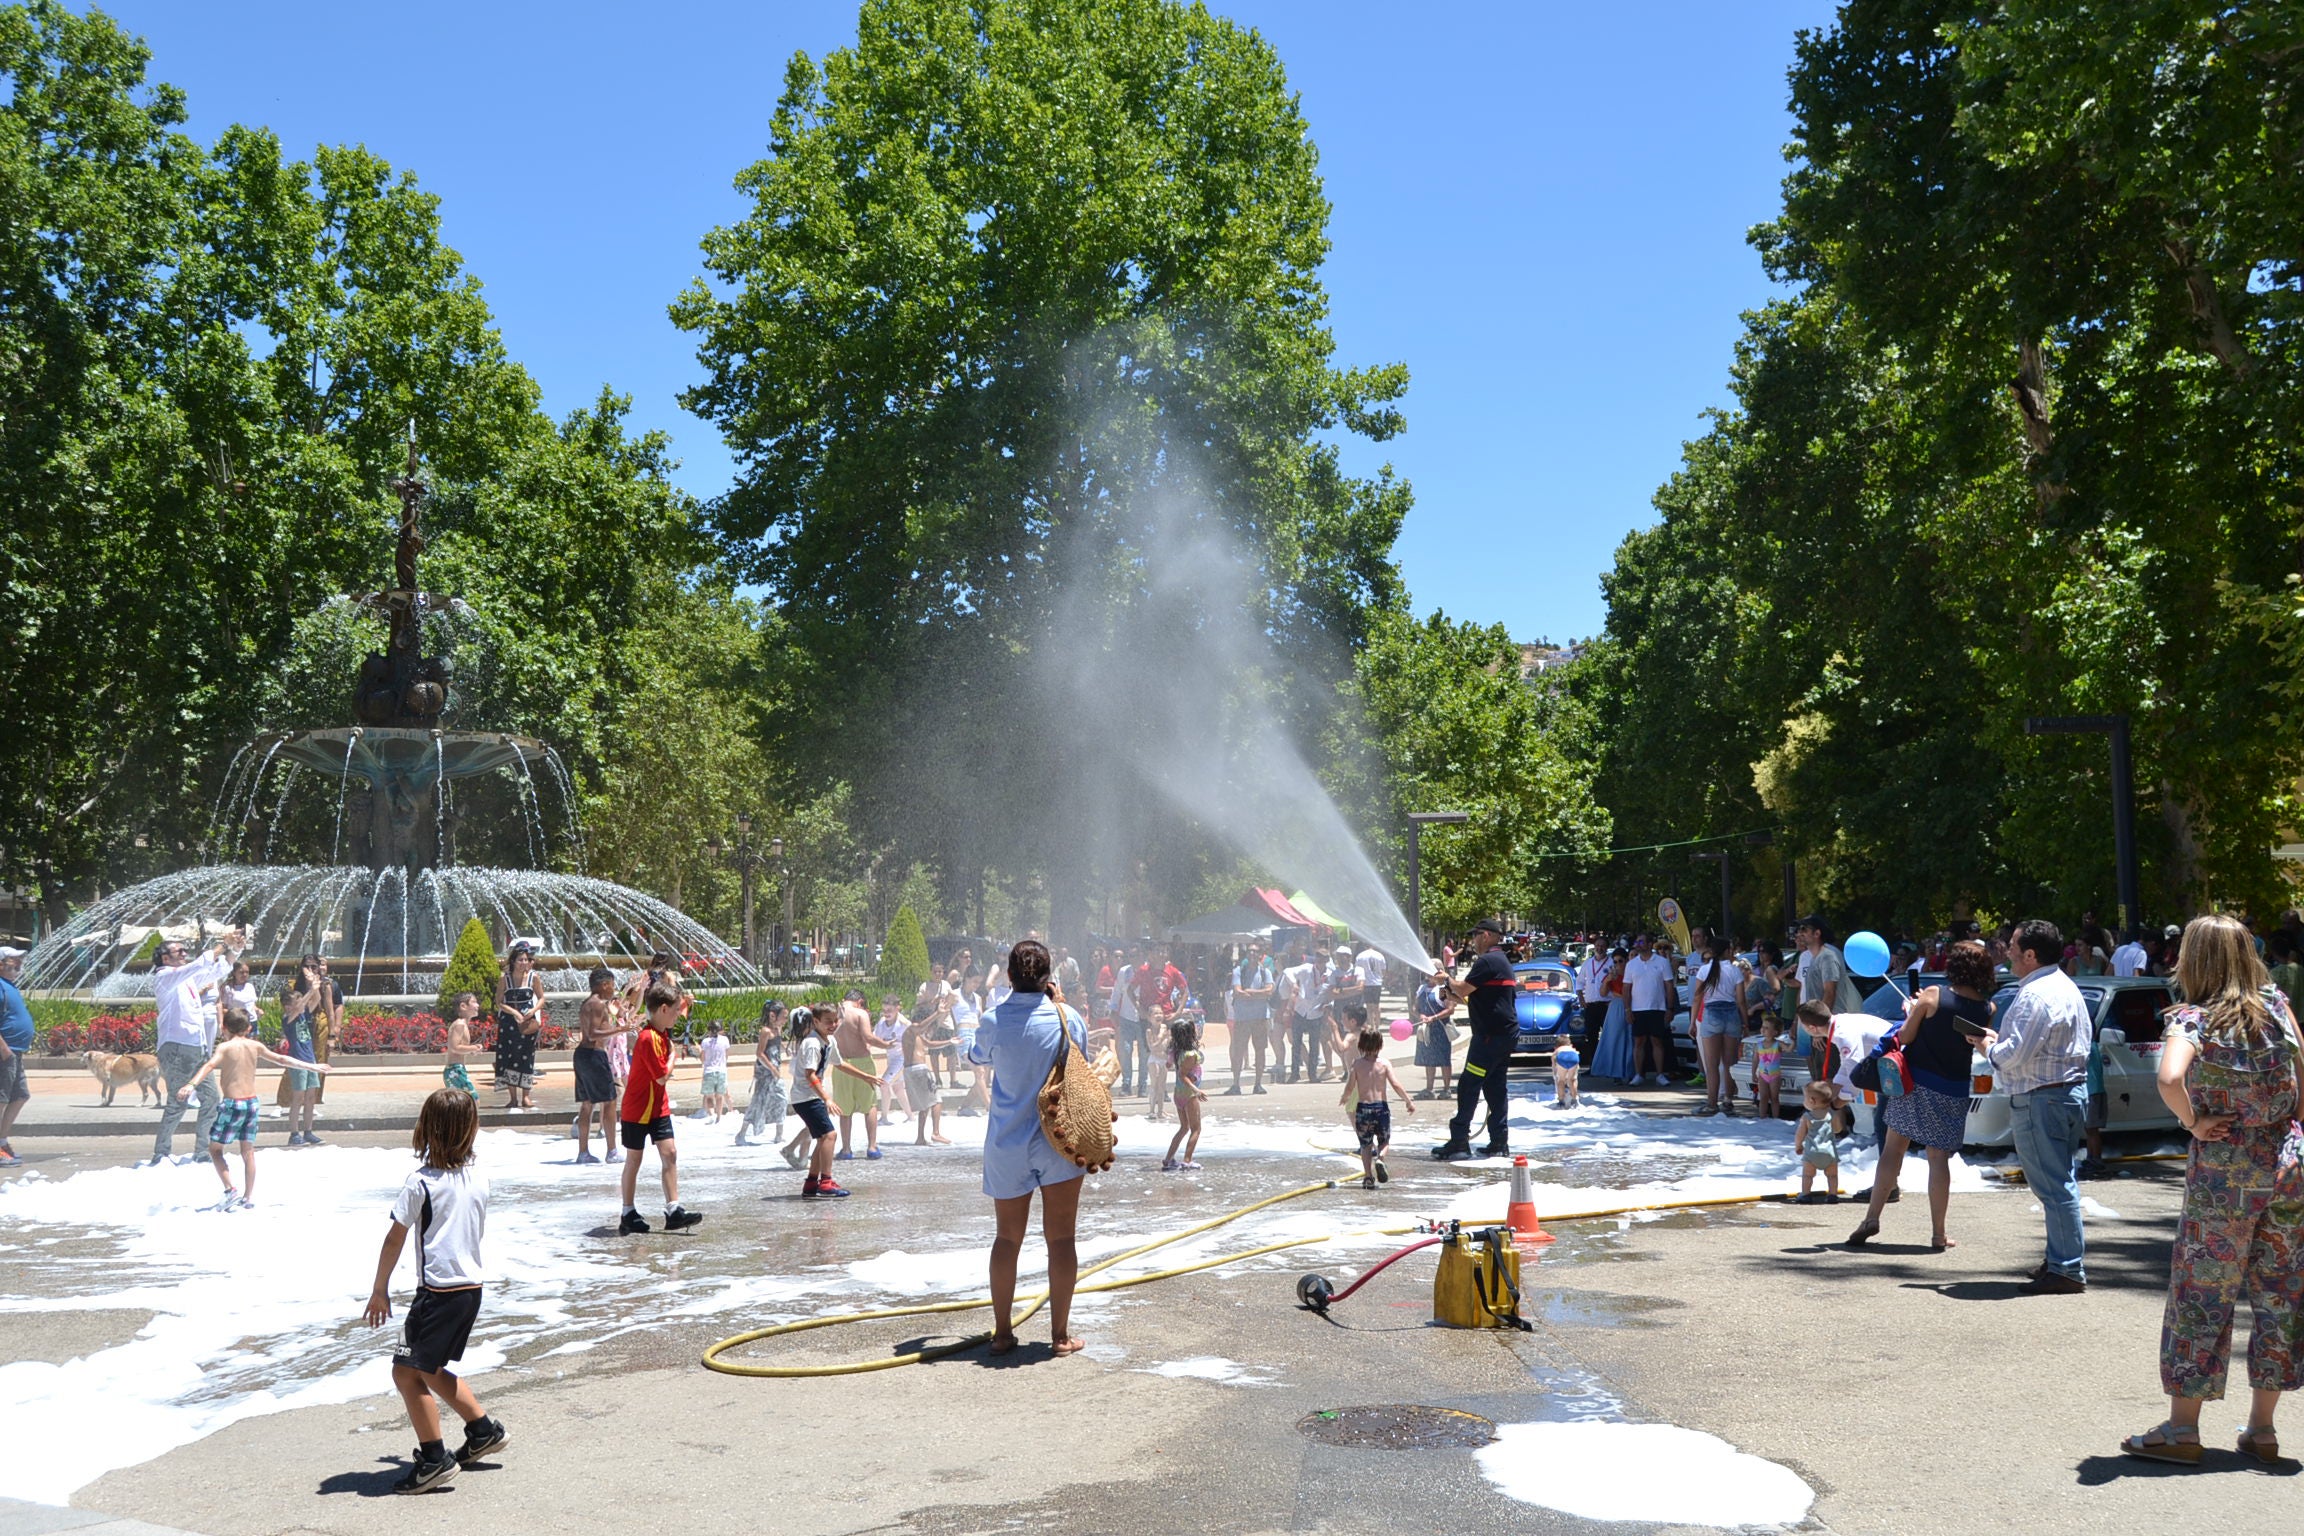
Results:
<point x="1941" y="1028"/>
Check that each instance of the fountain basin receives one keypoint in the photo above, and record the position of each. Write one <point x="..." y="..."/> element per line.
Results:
<point x="383" y="931"/>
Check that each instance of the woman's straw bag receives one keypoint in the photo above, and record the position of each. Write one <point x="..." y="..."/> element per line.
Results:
<point x="1076" y="1105"/>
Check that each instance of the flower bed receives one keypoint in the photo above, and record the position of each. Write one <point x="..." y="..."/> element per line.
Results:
<point x="114" y="1032"/>
<point x="381" y="1034"/>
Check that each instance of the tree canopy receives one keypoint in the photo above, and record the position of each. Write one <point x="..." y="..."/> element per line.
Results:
<point x="2020" y="441"/>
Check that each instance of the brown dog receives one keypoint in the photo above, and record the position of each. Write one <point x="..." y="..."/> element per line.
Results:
<point x="117" y="1072"/>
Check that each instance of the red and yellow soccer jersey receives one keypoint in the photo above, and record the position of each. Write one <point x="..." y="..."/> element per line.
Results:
<point x="645" y="1100"/>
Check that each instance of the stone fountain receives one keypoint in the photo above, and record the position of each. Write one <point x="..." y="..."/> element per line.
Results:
<point x="391" y="902"/>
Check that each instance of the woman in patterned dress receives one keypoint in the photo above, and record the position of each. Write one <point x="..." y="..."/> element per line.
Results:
<point x="2232" y="1070"/>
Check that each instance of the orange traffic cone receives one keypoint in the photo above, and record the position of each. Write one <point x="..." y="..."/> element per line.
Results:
<point x="1520" y="1215"/>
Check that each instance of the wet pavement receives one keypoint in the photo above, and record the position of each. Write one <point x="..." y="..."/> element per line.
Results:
<point x="207" y="1341"/>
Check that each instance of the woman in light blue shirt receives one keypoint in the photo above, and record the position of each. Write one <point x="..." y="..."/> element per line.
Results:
<point x="1019" y="1041"/>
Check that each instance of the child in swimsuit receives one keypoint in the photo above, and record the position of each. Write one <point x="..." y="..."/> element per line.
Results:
<point x="1184" y="1055"/>
<point x="1369" y="1084"/>
<point x="1565" y="1064"/>
<point x="454" y="1075"/>
<point x="1813" y="1136"/>
<point x="1767" y="1067"/>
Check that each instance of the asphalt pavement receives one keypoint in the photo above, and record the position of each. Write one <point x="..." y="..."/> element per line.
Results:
<point x="1913" y="1391"/>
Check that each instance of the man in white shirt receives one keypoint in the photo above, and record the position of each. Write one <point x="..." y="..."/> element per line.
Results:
<point x="1308" y="1006"/>
<point x="1592" y="992"/>
<point x="1648" y="983"/>
<point x="1370" y="963"/>
<point x="2039" y="1048"/>
<point x="1128" y="1027"/>
<point x="2130" y="958"/>
<point x="186" y="1031"/>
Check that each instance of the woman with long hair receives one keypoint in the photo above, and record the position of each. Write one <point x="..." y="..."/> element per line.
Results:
<point x="1716" y="1009"/>
<point x="2232" y="1070"/>
<point x="302" y="1005"/>
<point x="519" y="1019"/>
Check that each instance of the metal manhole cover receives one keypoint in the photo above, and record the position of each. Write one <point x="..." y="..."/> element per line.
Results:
<point x="1397" y="1427"/>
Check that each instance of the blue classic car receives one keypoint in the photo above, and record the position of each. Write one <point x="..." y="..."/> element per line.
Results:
<point x="1545" y="1004"/>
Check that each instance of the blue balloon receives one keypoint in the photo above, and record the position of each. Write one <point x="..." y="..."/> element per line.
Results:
<point x="1867" y="953"/>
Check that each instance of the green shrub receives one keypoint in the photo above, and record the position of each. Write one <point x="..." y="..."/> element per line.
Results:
<point x="472" y="968"/>
<point x="904" y="957"/>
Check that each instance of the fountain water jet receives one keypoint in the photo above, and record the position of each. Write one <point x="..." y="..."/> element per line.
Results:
<point x="400" y="762"/>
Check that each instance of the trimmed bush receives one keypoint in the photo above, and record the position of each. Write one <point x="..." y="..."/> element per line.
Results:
<point x="904" y="957"/>
<point x="472" y="968"/>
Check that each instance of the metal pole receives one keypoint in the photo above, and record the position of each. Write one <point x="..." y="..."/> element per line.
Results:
<point x="747" y="868"/>
<point x="1727" y="924"/>
<point x="1791" y="894"/>
<point x="2124" y="825"/>
<point x="1415" y="880"/>
<point x="787" y="946"/>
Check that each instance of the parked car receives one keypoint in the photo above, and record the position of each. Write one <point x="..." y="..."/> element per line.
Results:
<point x="1544" y="1001"/>
<point x="2128" y="1014"/>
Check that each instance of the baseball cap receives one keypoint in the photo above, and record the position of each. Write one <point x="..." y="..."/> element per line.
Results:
<point x="1813" y="920"/>
<point x="10" y="952"/>
<point x="1489" y="925"/>
<point x="2171" y="932"/>
<point x="1343" y="949"/>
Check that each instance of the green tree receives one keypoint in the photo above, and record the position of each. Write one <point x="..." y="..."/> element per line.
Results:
<point x="1453" y="726"/>
<point x="471" y="968"/>
<point x="1021" y="280"/>
<point x="904" y="955"/>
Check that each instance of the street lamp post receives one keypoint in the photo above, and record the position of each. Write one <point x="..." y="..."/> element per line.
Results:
<point x="784" y="933"/>
<point x="2123" y="797"/>
<point x="1727" y="927"/>
<point x="747" y="861"/>
<point x="1417" y="822"/>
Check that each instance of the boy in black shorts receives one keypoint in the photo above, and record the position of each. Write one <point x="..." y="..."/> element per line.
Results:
<point x="647" y="1112"/>
<point x="445" y="1203"/>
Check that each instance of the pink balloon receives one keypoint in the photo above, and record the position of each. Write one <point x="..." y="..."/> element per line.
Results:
<point x="1402" y="1028"/>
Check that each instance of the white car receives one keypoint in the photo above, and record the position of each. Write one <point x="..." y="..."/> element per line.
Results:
<point x="2128" y="1015"/>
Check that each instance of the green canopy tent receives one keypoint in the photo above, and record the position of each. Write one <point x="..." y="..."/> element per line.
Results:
<point x="1313" y="910"/>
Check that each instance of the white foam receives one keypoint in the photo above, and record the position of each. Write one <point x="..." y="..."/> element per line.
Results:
<point x="1213" y="1368"/>
<point x="1607" y="1471"/>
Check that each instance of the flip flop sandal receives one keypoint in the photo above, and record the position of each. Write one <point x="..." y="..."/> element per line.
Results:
<point x="2260" y="1445"/>
<point x="2161" y="1444"/>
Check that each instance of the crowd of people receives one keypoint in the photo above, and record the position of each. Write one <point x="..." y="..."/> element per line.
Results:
<point x="2231" y="1073"/>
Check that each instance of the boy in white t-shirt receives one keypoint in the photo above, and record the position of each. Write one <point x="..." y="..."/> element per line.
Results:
<point x="445" y="1203"/>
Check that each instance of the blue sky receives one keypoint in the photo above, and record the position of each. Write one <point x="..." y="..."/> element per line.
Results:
<point x="1539" y="207"/>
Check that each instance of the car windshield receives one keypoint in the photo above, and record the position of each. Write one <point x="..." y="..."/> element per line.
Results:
<point x="1546" y="981"/>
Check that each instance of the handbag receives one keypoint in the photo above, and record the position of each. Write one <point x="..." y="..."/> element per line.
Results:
<point x="1076" y="1110"/>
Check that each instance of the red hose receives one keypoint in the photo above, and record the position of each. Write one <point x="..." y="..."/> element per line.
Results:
<point x="1379" y="1268"/>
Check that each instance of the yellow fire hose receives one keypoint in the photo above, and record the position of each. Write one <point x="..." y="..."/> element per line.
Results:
<point x="713" y="1357"/>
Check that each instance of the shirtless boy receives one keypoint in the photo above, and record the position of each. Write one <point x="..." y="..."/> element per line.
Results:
<point x="596" y="1021"/>
<point x="1369" y="1084"/>
<point x="235" y="1067"/>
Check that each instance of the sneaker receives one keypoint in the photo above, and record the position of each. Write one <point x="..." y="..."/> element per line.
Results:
<point x="189" y="1160"/>
<point x="515" y="1109"/>
<point x="1383" y="1174"/>
<point x="679" y="1218"/>
<point x="1259" y="1087"/>
<point x="587" y="1156"/>
<point x="633" y="1222"/>
<point x="809" y="1187"/>
<point x="827" y="1190"/>
<point x="795" y="1159"/>
<point x="1189" y="1166"/>
<point x="1168" y="1165"/>
<point x="742" y="1140"/>
<point x="1232" y="1092"/>
<point x="481" y="1437"/>
<point x="1368" y="1182"/>
<point x="311" y="1140"/>
<point x="426" y="1474"/>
